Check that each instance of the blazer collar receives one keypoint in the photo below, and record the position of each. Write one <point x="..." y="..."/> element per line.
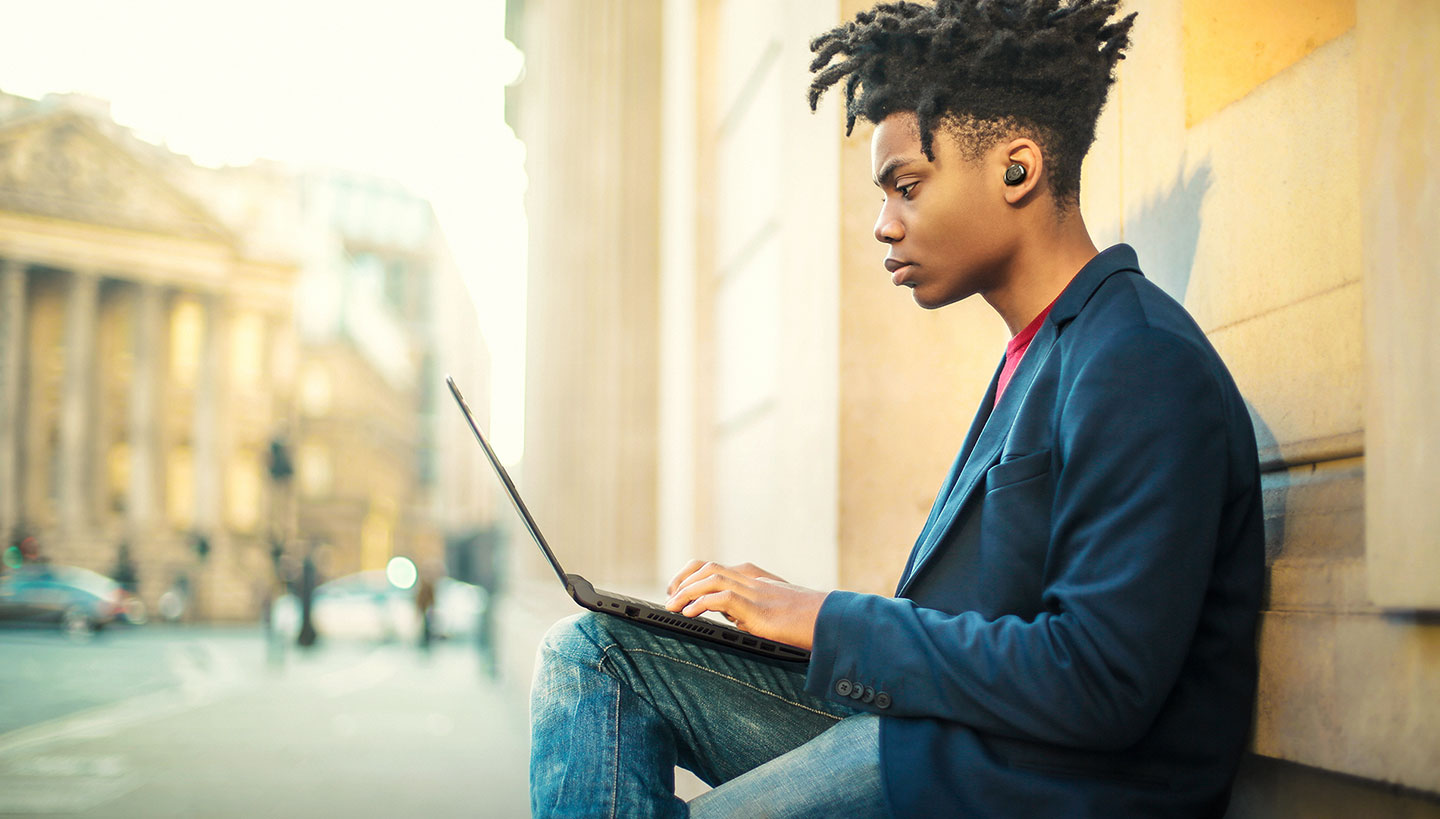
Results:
<point x="1077" y="293"/>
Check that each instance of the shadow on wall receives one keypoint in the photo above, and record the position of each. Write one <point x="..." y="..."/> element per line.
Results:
<point x="1165" y="230"/>
<point x="1275" y="487"/>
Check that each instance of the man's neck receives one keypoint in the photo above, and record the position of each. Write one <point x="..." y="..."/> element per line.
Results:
<point x="1040" y="270"/>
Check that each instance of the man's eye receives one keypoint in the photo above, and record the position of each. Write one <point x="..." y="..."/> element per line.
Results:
<point x="906" y="189"/>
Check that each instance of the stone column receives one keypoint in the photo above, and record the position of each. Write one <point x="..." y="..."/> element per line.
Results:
<point x="206" y="431"/>
<point x="12" y="390"/>
<point x="1396" y="48"/>
<point x="141" y="504"/>
<point x="77" y="402"/>
<point x="593" y="325"/>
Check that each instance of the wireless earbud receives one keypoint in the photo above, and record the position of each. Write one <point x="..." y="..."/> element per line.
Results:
<point x="1015" y="174"/>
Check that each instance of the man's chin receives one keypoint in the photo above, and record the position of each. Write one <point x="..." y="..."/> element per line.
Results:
<point x="932" y="303"/>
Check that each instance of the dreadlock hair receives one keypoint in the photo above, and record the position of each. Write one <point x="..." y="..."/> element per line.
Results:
<point x="985" y="70"/>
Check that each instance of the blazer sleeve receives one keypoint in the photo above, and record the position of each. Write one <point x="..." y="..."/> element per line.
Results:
<point x="1135" y="520"/>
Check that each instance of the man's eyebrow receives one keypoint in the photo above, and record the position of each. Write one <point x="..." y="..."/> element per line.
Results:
<point x="888" y="170"/>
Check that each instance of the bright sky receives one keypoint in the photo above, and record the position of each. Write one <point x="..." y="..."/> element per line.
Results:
<point x="412" y="91"/>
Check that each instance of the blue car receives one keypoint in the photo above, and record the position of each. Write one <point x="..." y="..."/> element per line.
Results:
<point x="80" y="601"/>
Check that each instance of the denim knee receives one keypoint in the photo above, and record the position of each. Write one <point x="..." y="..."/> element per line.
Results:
<point x="579" y="638"/>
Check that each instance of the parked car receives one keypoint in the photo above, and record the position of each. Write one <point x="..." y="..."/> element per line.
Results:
<point x="367" y="606"/>
<point x="79" y="600"/>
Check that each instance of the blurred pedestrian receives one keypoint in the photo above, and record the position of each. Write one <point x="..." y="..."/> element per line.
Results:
<point x="425" y="606"/>
<point x="125" y="572"/>
<point x="30" y="551"/>
<point x="127" y="575"/>
<point x="309" y="579"/>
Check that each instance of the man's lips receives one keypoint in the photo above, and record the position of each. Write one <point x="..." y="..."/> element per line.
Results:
<point x="899" y="270"/>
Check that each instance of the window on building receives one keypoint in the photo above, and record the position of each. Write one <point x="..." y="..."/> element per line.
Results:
<point x="316" y="474"/>
<point x="187" y="329"/>
<point x="243" y="489"/>
<point x="180" y="486"/>
<point x="117" y="473"/>
<point x="247" y="351"/>
<point x="315" y="391"/>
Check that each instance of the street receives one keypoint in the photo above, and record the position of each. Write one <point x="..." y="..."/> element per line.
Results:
<point x="213" y="721"/>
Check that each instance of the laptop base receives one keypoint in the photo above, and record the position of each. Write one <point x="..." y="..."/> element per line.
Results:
<point x="660" y="619"/>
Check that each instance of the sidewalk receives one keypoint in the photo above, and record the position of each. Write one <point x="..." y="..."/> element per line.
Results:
<point x="343" y="731"/>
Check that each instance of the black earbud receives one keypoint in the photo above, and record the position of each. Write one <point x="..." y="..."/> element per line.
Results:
<point x="1015" y="174"/>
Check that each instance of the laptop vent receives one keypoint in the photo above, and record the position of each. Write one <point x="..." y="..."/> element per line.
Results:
<point x="688" y="625"/>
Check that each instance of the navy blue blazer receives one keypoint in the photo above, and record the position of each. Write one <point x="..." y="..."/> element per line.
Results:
<point x="1074" y="633"/>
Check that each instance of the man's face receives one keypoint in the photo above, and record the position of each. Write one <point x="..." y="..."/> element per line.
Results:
<point x="947" y="223"/>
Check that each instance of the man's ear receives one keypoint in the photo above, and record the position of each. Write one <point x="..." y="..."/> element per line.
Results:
<point x="1018" y="184"/>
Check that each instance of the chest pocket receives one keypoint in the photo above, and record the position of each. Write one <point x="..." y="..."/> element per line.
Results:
<point x="1017" y="470"/>
<point x="1015" y="530"/>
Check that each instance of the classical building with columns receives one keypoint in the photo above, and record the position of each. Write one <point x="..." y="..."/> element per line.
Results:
<point x="165" y="326"/>
<point x="146" y="357"/>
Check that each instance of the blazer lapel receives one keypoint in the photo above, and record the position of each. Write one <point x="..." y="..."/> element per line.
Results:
<point x="980" y="452"/>
<point x="937" y="508"/>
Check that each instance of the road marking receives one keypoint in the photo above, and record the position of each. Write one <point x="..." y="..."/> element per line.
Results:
<point x="63" y="783"/>
<point x="197" y="688"/>
<point x="109" y="766"/>
<point x="100" y="721"/>
<point x="35" y="783"/>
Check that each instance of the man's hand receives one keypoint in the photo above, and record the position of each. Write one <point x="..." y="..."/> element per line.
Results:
<point x="749" y="597"/>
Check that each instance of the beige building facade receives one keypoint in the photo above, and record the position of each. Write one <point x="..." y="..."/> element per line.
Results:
<point x="165" y="327"/>
<point x="145" y="353"/>
<point x="720" y="368"/>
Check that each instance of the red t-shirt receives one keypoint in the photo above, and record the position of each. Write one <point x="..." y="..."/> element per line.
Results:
<point x="1015" y="350"/>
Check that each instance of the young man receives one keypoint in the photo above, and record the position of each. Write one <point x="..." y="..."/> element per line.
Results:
<point x="1073" y="634"/>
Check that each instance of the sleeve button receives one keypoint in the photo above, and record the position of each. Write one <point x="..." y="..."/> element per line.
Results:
<point x="843" y="687"/>
<point x="882" y="700"/>
<point x="869" y="695"/>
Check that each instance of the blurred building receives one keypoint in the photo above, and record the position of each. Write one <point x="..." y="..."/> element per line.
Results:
<point x="168" y="331"/>
<point x="385" y="464"/>
<point x="718" y="365"/>
<point x="146" y="354"/>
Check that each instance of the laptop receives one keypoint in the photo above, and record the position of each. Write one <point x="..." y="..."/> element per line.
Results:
<point x="651" y="615"/>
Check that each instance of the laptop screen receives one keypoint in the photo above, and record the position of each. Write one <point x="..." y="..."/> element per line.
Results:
<point x="505" y="479"/>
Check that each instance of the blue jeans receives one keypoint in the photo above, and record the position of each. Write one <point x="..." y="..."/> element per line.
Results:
<point x="615" y="707"/>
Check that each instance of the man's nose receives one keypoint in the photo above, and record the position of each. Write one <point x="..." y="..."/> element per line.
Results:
<point x="888" y="229"/>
